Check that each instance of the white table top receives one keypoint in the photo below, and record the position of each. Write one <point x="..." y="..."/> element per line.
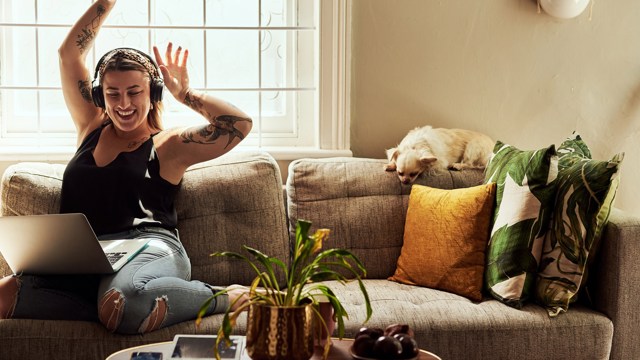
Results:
<point x="164" y="347"/>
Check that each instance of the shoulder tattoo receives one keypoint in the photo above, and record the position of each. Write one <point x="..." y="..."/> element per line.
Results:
<point x="85" y="90"/>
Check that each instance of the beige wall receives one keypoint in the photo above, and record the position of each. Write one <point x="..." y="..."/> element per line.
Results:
<point x="502" y="68"/>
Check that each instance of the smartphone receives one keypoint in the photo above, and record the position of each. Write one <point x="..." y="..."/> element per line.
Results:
<point x="146" y="355"/>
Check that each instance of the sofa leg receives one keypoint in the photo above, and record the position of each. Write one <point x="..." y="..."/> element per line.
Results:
<point x="110" y="309"/>
<point x="156" y="317"/>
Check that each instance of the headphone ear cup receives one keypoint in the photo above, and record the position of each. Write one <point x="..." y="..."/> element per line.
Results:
<point x="97" y="96"/>
<point x="157" y="87"/>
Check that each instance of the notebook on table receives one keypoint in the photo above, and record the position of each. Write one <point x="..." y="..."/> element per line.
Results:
<point x="61" y="244"/>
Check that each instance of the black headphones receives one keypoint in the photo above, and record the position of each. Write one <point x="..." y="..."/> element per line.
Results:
<point x="156" y="85"/>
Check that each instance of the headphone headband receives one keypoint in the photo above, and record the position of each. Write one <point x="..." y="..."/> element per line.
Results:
<point x="129" y="54"/>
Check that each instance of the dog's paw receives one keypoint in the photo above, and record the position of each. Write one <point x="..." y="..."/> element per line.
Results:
<point x="458" y="166"/>
<point x="390" y="167"/>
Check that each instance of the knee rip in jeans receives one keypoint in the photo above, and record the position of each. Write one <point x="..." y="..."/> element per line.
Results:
<point x="156" y="317"/>
<point x="111" y="308"/>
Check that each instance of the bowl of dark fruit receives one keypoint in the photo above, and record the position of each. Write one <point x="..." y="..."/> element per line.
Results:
<point x="395" y="342"/>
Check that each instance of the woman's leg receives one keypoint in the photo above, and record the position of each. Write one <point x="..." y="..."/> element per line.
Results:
<point x="8" y="296"/>
<point x="154" y="289"/>
<point x="51" y="297"/>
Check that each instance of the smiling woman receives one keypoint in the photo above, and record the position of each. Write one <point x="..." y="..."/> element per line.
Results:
<point x="262" y="55"/>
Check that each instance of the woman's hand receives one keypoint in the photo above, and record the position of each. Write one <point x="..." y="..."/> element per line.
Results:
<point x="174" y="70"/>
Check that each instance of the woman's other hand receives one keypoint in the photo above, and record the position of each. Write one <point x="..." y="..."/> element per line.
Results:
<point x="174" y="70"/>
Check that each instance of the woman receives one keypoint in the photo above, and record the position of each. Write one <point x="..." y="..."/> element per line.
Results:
<point x="124" y="177"/>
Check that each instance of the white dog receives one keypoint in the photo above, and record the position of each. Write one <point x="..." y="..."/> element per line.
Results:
<point x="428" y="149"/>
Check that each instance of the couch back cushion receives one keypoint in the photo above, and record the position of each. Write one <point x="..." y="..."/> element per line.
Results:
<point x="364" y="206"/>
<point x="222" y="204"/>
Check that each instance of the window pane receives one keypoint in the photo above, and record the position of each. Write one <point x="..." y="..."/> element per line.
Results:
<point x="19" y="106"/>
<point x="305" y="59"/>
<point x="60" y="11"/>
<point x="232" y="60"/>
<point x="55" y="115"/>
<point x="49" y="41"/>
<point x="277" y="117"/>
<point x="275" y="53"/>
<point x="172" y="12"/>
<point x="126" y="13"/>
<point x="232" y="12"/>
<point x="18" y="68"/>
<point x="17" y="11"/>
<point x="293" y="13"/>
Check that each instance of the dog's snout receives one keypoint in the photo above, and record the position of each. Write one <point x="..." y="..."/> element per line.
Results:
<point x="406" y="181"/>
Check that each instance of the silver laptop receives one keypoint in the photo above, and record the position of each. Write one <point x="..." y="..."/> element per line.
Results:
<point x="61" y="244"/>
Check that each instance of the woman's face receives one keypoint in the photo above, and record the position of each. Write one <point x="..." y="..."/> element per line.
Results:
<point x="127" y="98"/>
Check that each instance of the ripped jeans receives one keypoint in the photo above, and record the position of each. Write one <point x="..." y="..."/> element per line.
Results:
<point x="151" y="291"/>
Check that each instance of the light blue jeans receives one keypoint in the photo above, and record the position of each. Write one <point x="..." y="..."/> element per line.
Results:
<point x="160" y="273"/>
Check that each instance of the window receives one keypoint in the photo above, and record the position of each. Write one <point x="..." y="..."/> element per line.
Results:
<point x="282" y="61"/>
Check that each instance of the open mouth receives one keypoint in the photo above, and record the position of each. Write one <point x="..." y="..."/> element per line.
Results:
<point x="126" y="115"/>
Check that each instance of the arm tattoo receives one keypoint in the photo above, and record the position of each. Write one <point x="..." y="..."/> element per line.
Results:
<point x="218" y="125"/>
<point x="85" y="90"/>
<point x="89" y="31"/>
<point x="221" y="125"/>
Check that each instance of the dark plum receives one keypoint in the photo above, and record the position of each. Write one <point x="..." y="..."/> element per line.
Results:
<point x="387" y="347"/>
<point x="409" y="345"/>
<point x="363" y="346"/>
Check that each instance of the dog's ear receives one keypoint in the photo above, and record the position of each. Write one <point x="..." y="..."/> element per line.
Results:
<point x="426" y="160"/>
<point x="392" y="155"/>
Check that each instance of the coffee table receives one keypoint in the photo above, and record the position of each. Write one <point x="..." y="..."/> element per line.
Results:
<point x="339" y="351"/>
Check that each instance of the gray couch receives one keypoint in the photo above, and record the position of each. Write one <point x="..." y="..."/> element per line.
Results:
<point x="238" y="199"/>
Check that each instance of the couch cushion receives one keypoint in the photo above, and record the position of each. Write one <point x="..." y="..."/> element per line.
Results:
<point x="586" y="190"/>
<point x="351" y="196"/>
<point x="524" y="198"/>
<point x="31" y="188"/>
<point x="455" y="327"/>
<point x="445" y="239"/>
<point x="226" y="203"/>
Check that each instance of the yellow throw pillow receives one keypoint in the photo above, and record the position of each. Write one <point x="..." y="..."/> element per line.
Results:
<point x="445" y="239"/>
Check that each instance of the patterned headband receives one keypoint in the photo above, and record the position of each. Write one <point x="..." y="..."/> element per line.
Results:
<point x="132" y="55"/>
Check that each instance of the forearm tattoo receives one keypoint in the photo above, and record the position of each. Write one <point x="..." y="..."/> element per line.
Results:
<point x="85" y="90"/>
<point x="220" y="125"/>
<point x="88" y="33"/>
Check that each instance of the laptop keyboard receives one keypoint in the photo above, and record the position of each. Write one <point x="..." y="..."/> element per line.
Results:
<point x="114" y="256"/>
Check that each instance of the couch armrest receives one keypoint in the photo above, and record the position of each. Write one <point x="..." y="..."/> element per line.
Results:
<point x="615" y="282"/>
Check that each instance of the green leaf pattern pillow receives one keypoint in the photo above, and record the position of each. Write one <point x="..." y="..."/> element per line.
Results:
<point x="524" y="197"/>
<point x="585" y="195"/>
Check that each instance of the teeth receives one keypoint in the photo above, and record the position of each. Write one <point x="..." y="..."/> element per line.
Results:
<point x="125" y="113"/>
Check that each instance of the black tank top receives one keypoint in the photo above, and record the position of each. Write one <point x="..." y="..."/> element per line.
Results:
<point x="126" y="193"/>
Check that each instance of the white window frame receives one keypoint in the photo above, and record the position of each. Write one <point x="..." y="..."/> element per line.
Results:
<point x="332" y="119"/>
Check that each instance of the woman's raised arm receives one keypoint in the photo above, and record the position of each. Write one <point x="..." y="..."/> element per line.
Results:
<point x="75" y="76"/>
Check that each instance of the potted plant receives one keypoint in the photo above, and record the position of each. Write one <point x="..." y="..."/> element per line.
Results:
<point x="309" y="266"/>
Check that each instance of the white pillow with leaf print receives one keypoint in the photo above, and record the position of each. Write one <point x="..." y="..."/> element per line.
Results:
<point x="585" y="195"/>
<point x="525" y="193"/>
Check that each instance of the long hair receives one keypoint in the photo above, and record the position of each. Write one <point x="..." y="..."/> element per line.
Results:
<point x="120" y="63"/>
